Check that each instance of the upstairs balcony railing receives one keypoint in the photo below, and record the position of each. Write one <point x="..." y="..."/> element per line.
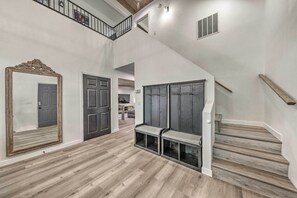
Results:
<point x="122" y="28"/>
<point x="76" y="13"/>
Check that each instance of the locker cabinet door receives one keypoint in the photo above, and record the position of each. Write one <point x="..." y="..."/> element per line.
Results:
<point x="163" y="107"/>
<point x="198" y="105"/>
<point x="174" y="107"/>
<point x="147" y="105"/>
<point x="186" y="108"/>
<point x="155" y="106"/>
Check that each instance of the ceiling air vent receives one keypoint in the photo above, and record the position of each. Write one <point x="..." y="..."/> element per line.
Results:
<point x="208" y="26"/>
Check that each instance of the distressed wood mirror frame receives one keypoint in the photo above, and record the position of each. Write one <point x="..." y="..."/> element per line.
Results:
<point x="32" y="67"/>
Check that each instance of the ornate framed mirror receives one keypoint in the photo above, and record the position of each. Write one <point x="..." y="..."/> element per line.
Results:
<point x="33" y="107"/>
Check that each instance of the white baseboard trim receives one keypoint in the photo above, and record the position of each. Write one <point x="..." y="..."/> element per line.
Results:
<point x="206" y="171"/>
<point x="274" y="132"/>
<point x="15" y="159"/>
<point x="242" y="122"/>
<point x="116" y="130"/>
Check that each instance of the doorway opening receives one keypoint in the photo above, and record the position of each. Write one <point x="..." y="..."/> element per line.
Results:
<point x="143" y="23"/>
<point x="126" y="96"/>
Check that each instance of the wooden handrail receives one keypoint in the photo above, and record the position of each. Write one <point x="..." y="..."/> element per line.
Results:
<point x="279" y="91"/>
<point x="229" y="90"/>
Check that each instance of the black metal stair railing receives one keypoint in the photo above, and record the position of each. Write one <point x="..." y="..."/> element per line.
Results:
<point x="122" y="28"/>
<point x="76" y="13"/>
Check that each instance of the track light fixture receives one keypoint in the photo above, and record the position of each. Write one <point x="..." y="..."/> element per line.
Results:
<point x="138" y="4"/>
<point x="165" y="6"/>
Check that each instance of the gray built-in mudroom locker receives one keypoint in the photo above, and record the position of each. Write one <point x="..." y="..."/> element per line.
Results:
<point x="172" y="124"/>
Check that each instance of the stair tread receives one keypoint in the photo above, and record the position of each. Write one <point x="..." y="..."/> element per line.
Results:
<point x="253" y="173"/>
<point x="254" y="153"/>
<point x="244" y="127"/>
<point x="249" y="135"/>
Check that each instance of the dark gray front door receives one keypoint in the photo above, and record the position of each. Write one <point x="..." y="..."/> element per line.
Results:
<point x="47" y="105"/>
<point x="96" y="106"/>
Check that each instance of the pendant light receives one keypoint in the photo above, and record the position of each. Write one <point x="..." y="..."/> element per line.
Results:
<point x="138" y="4"/>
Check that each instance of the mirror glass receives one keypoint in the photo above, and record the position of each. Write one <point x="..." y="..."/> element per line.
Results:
<point x="35" y="107"/>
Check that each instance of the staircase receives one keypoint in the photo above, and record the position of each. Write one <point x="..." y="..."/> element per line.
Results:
<point x="250" y="157"/>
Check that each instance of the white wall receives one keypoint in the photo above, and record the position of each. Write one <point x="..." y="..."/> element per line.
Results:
<point x="155" y="63"/>
<point x="235" y="56"/>
<point x="28" y="31"/>
<point x="25" y="99"/>
<point x="281" y="67"/>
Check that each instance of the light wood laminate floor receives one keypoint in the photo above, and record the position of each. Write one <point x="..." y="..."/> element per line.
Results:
<point x="110" y="166"/>
<point x="31" y="138"/>
<point x="126" y="122"/>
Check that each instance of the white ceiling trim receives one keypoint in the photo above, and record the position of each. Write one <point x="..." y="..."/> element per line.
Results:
<point x="116" y="5"/>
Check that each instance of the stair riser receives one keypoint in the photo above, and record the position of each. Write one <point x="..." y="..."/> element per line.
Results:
<point x="262" y="164"/>
<point x="251" y="184"/>
<point x="246" y="129"/>
<point x="218" y="122"/>
<point x="217" y="126"/>
<point x="248" y="143"/>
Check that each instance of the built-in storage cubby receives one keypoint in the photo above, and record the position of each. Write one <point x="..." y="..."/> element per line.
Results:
<point x="190" y="155"/>
<point x="170" y="149"/>
<point x="153" y="143"/>
<point x="155" y="118"/>
<point x="182" y="141"/>
<point x="183" y="148"/>
<point x="148" y="138"/>
<point x="140" y="139"/>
